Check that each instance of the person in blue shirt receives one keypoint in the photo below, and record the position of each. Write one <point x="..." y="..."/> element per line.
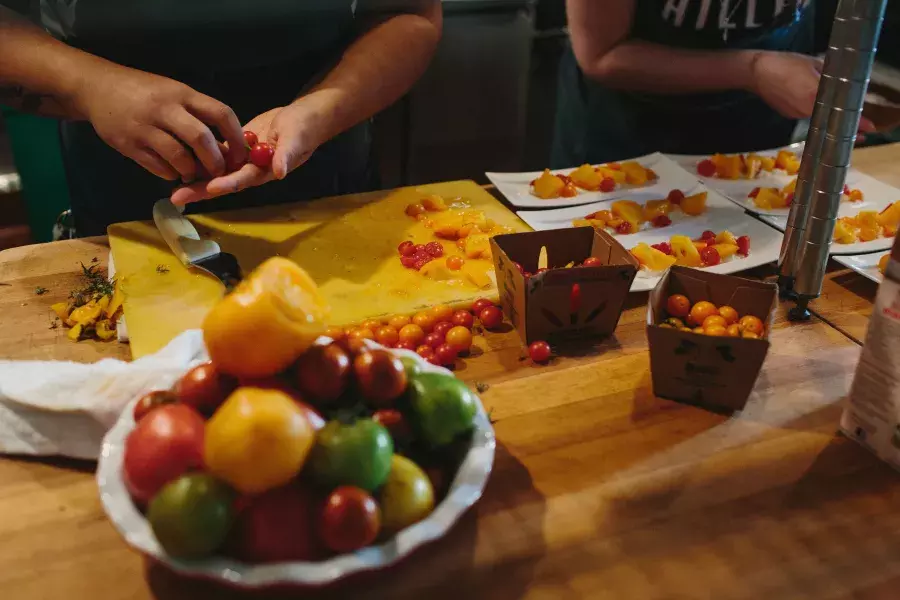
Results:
<point x="684" y="77"/>
<point x="153" y="94"/>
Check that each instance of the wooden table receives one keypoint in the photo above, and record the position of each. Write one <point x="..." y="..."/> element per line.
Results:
<point x="599" y="489"/>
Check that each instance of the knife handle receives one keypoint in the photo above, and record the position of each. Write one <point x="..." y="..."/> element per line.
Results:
<point x="181" y="235"/>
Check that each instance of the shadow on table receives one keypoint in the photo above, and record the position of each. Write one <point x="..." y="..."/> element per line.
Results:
<point x="861" y="286"/>
<point x="457" y="566"/>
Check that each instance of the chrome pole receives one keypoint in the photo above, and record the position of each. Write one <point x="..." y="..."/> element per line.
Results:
<point x="826" y="157"/>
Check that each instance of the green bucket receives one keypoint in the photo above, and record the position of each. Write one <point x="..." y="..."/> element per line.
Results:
<point x="35" y="148"/>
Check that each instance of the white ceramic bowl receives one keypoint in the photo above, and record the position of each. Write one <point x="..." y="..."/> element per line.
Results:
<point x="465" y="491"/>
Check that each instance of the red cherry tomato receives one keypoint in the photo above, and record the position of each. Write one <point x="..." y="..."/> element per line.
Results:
<point x="442" y="328"/>
<point x="407" y="345"/>
<point x="520" y="268"/>
<point x="277" y="526"/>
<point x="433" y="339"/>
<point x="481" y="304"/>
<point x="789" y="198"/>
<point x="350" y="520"/>
<point x="754" y="192"/>
<point x="261" y="155"/>
<point x="462" y="318"/>
<point x="664" y="247"/>
<point x="250" y="139"/>
<point x="491" y="317"/>
<point x="624" y="228"/>
<point x="408" y="261"/>
<point x="607" y="184"/>
<point x="706" y="168"/>
<point x="710" y="256"/>
<point x="204" y="388"/>
<point x="152" y="400"/>
<point x="434" y="249"/>
<point x="395" y="423"/>
<point x="743" y="243"/>
<point x="539" y="352"/>
<point x="446" y="354"/>
<point x="164" y="445"/>
<point x="708" y="235"/>
<point x="406" y="248"/>
<point x="675" y="197"/>
<point x="434" y="360"/>
<point x="425" y="352"/>
<point x="662" y="221"/>
<point x="592" y="261"/>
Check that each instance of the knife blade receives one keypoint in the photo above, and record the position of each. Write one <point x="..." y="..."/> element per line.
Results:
<point x="193" y="252"/>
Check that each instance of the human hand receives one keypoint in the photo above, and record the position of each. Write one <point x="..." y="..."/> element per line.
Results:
<point x="787" y="82"/>
<point x="161" y="124"/>
<point x="291" y="130"/>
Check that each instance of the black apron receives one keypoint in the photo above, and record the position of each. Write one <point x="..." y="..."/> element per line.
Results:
<point x="596" y="124"/>
<point x="284" y="45"/>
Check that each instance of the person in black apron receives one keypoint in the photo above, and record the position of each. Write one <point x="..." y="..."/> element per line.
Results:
<point x="305" y="75"/>
<point x="683" y="77"/>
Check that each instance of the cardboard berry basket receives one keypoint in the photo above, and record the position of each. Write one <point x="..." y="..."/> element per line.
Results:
<point x="714" y="372"/>
<point x="563" y="304"/>
<point x="466" y="489"/>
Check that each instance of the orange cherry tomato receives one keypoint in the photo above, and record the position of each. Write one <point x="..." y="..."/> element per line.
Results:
<point x="752" y="324"/>
<point x="750" y="335"/>
<point x="411" y="333"/>
<point x="699" y="330"/>
<point x="734" y="330"/>
<point x="441" y="312"/>
<point x="730" y="315"/>
<point x="700" y="311"/>
<point x="678" y="305"/>
<point x="455" y="263"/>
<point x="398" y="321"/>
<point x="715" y="330"/>
<point x="372" y="324"/>
<point x="387" y="336"/>
<point x="425" y="320"/>
<point x="714" y="320"/>
<point x="362" y="333"/>
<point x="460" y="338"/>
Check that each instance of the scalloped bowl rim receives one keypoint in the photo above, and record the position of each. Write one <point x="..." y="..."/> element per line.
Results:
<point x="465" y="491"/>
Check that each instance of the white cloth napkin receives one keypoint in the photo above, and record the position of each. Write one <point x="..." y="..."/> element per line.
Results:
<point x="65" y="408"/>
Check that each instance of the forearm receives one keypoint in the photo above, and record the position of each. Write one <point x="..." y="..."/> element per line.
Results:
<point x="376" y="70"/>
<point x="645" y="67"/>
<point x="39" y="74"/>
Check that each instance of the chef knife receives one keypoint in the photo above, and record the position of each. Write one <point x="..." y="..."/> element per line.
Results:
<point x="184" y="241"/>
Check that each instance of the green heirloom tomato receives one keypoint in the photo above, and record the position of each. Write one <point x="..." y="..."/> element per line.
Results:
<point x="442" y="407"/>
<point x="191" y="516"/>
<point x="407" y="496"/>
<point x="411" y="366"/>
<point x="357" y="454"/>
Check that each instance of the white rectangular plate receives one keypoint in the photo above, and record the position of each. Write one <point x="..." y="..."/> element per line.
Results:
<point x="864" y="264"/>
<point x="738" y="190"/>
<point x="877" y="196"/>
<point x="517" y="186"/>
<point x="765" y="242"/>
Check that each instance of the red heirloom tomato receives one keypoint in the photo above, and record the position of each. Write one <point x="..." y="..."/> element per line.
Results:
<point x="204" y="388"/>
<point x="323" y="373"/>
<point x="350" y="520"/>
<point x="165" y="444"/>
<point x="152" y="400"/>
<point x="276" y="526"/>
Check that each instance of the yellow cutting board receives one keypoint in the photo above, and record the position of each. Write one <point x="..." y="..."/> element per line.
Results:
<point x="347" y="244"/>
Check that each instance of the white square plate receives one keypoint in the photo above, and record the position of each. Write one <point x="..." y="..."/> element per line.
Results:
<point x="738" y="190"/>
<point x="877" y="196"/>
<point x="864" y="264"/>
<point x="517" y="186"/>
<point x="765" y="242"/>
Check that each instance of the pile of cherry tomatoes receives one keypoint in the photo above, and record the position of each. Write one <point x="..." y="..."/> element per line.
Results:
<point x="706" y="318"/>
<point x="439" y="334"/>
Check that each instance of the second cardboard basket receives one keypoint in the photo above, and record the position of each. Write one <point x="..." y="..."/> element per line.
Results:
<point x="714" y="372"/>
